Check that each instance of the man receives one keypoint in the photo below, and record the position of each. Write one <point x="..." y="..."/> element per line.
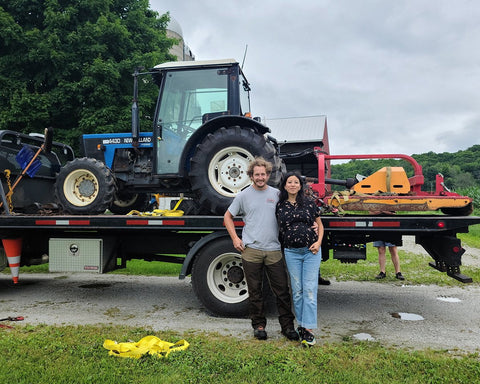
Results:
<point x="260" y="248"/>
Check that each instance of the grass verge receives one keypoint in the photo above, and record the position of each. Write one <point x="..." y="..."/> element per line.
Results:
<point x="76" y="355"/>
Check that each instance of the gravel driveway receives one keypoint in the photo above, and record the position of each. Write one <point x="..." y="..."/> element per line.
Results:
<point x="393" y="314"/>
<point x="450" y="316"/>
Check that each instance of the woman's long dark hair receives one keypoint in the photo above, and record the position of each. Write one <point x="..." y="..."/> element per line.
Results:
<point x="301" y="193"/>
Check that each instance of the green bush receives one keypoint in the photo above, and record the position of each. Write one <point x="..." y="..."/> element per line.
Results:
<point x="474" y="193"/>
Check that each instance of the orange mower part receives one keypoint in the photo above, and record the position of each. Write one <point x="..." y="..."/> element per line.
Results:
<point x="387" y="179"/>
<point x="461" y="206"/>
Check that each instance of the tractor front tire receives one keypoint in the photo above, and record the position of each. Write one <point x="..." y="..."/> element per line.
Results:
<point x="219" y="166"/>
<point x="85" y="186"/>
<point x="124" y="203"/>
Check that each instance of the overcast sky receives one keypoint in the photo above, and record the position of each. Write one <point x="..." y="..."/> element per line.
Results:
<point x="392" y="76"/>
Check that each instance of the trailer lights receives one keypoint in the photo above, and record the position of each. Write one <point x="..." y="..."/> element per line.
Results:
<point x="441" y="224"/>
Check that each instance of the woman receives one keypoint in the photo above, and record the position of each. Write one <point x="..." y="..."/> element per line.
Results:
<point x="296" y="214"/>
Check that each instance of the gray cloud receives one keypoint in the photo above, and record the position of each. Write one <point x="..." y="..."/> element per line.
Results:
<point x="391" y="76"/>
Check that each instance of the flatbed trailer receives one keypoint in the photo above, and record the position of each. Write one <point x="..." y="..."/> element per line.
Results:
<point x="203" y="247"/>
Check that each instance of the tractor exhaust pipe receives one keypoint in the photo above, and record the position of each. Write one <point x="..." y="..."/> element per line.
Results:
<point x="135" y="114"/>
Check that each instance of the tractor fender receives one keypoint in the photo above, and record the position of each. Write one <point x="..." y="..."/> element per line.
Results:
<point x="192" y="253"/>
<point x="211" y="126"/>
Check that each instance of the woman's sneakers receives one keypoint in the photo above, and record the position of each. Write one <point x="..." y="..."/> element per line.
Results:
<point x="307" y="338"/>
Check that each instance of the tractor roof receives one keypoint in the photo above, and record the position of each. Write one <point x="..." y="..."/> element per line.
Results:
<point x="190" y="64"/>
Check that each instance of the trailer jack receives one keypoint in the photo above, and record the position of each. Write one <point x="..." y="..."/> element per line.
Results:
<point x="451" y="271"/>
<point x="447" y="253"/>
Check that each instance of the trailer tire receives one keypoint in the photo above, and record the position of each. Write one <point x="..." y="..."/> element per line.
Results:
<point x="218" y="279"/>
<point x="219" y="166"/>
<point x="85" y="186"/>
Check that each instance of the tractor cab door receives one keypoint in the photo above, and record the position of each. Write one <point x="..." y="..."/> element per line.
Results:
<point x="186" y="97"/>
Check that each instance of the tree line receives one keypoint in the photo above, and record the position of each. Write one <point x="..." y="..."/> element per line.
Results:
<point x="68" y="64"/>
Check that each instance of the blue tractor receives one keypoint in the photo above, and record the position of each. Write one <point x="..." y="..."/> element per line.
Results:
<point x="202" y="141"/>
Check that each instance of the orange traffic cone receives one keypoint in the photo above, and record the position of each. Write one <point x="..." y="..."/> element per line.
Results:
<point x="13" y="250"/>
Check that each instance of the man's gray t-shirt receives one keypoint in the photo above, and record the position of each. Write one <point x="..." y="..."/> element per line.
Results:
<point x="257" y="208"/>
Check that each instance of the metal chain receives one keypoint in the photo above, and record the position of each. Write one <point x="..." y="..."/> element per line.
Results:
<point x="10" y="192"/>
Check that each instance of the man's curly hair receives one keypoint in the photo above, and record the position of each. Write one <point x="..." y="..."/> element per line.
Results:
<point x="259" y="162"/>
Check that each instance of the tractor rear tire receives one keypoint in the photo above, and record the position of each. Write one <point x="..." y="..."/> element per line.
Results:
<point x="219" y="166"/>
<point x="85" y="186"/>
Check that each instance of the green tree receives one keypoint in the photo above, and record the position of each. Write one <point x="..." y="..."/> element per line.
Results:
<point x="69" y="63"/>
<point x="463" y="180"/>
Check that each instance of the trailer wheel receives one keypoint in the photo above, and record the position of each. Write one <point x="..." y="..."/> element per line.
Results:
<point x="218" y="280"/>
<point x="85" y="186"/>
<point x="124" y="203"/>
<point x="219" y="166"/>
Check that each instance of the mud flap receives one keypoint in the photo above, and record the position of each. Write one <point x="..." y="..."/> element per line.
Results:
<point x="447" y="252"/>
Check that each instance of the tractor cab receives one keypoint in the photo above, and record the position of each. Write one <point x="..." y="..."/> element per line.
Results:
<point x="191" y="94"/>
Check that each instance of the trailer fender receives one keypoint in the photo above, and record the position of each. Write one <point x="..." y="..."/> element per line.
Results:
<point x="192" y="253"/>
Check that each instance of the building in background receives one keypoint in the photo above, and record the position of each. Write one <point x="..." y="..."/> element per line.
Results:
<point x="300" y="135"/>
<point x="181" y="50"/>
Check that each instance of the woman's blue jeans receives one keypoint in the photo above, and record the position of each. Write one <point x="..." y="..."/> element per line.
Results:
<point x="303" y="268"/>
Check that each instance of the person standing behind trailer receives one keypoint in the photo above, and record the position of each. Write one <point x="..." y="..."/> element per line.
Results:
<point x="381" y="246"/>
<point x="382" y="259"/>
<point x="296" y="215"/>
<point x="260" y="249"/>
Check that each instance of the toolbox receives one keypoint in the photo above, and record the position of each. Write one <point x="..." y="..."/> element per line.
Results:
<point x="78" y="255"/>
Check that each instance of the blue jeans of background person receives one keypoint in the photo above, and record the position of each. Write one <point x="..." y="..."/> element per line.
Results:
<point x="303" y="268"/>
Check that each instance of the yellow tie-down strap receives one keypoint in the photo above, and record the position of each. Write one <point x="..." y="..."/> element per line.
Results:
<point x="149" y="344"/>
<point x="160" y="212"/>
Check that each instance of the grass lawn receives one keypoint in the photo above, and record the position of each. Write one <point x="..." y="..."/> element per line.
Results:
<point x="70" y="354"/>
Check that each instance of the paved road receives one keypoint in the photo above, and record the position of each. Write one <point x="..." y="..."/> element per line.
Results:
<point x="381" y="311"/>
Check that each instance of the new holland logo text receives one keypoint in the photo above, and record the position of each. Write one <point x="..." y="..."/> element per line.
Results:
<point x="125" y="140"/>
